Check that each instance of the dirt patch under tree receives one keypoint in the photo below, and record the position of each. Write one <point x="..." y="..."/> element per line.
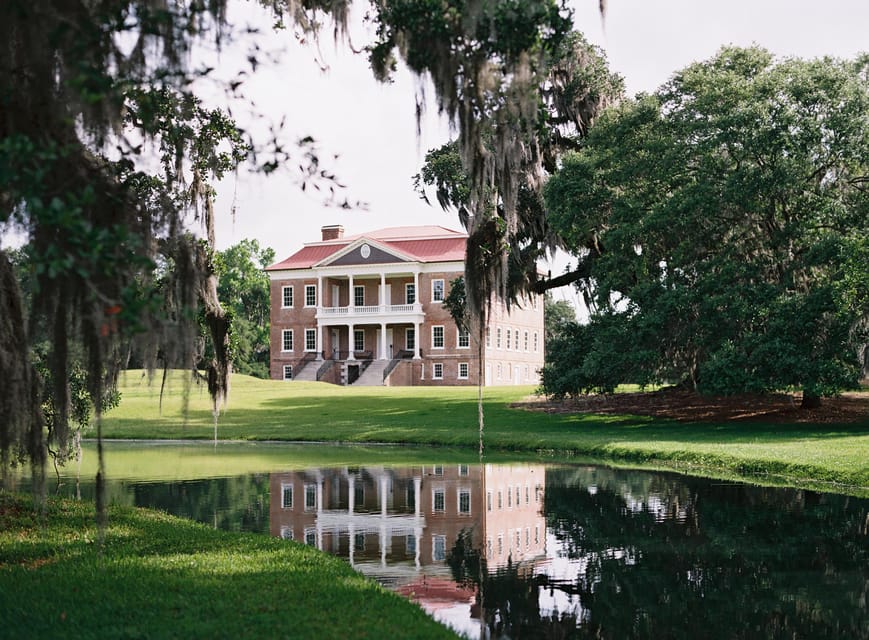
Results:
<point x="688" y="406"/>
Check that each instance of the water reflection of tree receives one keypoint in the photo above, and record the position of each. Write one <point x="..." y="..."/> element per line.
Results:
<point x="664" y="556"/>
<point x="507" y="600"/>
<point x="232" y="504"/>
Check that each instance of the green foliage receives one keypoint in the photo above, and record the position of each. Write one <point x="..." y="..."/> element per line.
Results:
<point x="717" y="220"/>
<point x="456" y="302"/>
<point x="243" y="291"/>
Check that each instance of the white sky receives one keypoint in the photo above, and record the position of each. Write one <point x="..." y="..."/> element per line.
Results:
<point x="372" y="127"/>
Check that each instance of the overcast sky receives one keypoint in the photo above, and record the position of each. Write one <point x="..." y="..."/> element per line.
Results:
<point x="372" y="127"/>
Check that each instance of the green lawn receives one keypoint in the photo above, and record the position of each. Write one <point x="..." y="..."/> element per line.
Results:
<point x="164" y="577"/>
<point x="799" y="454"/>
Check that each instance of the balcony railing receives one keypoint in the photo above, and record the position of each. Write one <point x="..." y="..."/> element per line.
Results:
<point x="381" y="309"/>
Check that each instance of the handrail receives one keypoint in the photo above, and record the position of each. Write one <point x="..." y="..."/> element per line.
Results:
<point x="324" y="368"/>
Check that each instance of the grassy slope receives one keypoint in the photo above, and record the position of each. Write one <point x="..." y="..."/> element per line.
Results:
<point x="163" y="577"/>
<point x="274" y="410"/>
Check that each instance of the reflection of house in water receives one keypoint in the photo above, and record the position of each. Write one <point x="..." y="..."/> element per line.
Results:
<point x="399" y="524"/>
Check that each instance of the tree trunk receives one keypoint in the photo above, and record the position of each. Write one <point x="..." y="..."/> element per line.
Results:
<point x="810" y="401"/>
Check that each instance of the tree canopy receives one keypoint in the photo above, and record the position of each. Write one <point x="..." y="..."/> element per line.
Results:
<point x="106" y="154"/>
<point x="721" y="226"/>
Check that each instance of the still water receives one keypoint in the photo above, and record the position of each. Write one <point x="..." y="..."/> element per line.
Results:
<point x="506" y="549"/>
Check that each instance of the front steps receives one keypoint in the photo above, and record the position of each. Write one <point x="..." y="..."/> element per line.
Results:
<point x="371" y="377"/>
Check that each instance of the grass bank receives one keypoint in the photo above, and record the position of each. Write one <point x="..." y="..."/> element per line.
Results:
<point x="163" y="577"/>
<point x="824" y="456"/>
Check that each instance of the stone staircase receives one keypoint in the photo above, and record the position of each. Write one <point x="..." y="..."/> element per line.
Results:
<point x="373" y="375"/>
<point x="308" y="372"/>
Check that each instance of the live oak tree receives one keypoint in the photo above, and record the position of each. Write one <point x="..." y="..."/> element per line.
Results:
<point x="106" y="154"/>
<point x="721" y="223"/>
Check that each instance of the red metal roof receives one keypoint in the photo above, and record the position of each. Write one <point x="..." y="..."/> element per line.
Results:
<point x="423" y="243"/>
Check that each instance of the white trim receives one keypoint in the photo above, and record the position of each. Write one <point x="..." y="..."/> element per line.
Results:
<point x="434" y="371"/>
<point x="443" y="289"/>
<point x="286" y="368"/>
<point x="443" y="337"/>
<point x="291" y="289"/>
<point x="307" y="287"/>
<point x="467" y="371"/>
<point x="357" y="244"/>
<point x="284" y="333"/>
<point x="406" y="286"/>
<point x="307" y="350"/>
<point x="459" y="341"/>
<point x="355" y="332"/>
<point x="459" y="493"/>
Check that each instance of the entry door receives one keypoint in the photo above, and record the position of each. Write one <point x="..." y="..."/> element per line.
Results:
<point x="335" y="344"/>
<point x="390" y="349"/>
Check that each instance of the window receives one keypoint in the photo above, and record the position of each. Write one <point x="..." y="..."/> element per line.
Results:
<point x="498" y="338"/>
<point x="287" y="340"/>
<point x="499" y="371"/>
<point x="359" y="541"/>
<point x="464" y="339"/>
<point x="437" y="337"/>
<point x="310" y="497"/>
<point x="286" y="297"/>
<point x="359" y="296"/>
<point x="438" y="547"/>
<point x="488" y="500"/>
<point x="288" y="372"/>
<point x="286" y="496"/>
<point x="500" y="500"/>
<point x="500" y="544"/>
<point x="286" y="533"/>
<point x="409" y="293"/>
<point x="488" y="337"/>
<point x="310" y="339"/>
<point x="527" y="537"/>
<point x="410" y="339"/>
<point x="489" y="547"/>
<point x="463" y="469"/>
<point x="311" y="537"/>
<point x="509" y="334"/>
<point x="518" y="502"/>
<point x="464" y="501"/>
<point x="437" y="290"/>
<point x="509" y="498"/>
<point x="410" y="496"/>
<point x="526" y="341"/>
<point x="437" y="371"/>
<point x="410" y="545"/>
<point x="537" y="534"/>
<point x="310" y="295"/>
<point x="438" y="470"/>
<point x="518" y="539"/>
<point x="437" y="500"/>
<point x="527" y="494"/>
<point x="359" y="339"/>
<point x="526" y="371"/>
<point x="463" y="371"/>
<point x="535" y="342"/>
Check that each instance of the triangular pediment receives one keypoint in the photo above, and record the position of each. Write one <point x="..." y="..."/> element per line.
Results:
<point x="364" y="251"/>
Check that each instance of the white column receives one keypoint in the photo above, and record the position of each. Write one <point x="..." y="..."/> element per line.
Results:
<point x="383" y="341"/>
<point x="350" y="341"/>
<point x="319" y="497"/>
<point x="416" y="287"/>
<point x="351" y="494"/>
<point x="417" y="494"/>
<point x="351" y="300"/>
<point x="382" y="300"/>
<point x="383" y="489"/>
<point x="319" y="309"/>
<point x="417" y="330"/>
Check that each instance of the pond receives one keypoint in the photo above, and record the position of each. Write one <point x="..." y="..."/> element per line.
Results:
<point x="528" y="549"/>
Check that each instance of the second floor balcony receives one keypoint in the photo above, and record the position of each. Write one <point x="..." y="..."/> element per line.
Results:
<point x="370" y="312"/>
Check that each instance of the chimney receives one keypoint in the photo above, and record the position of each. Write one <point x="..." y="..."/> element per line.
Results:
<point x="332" y="232"/>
